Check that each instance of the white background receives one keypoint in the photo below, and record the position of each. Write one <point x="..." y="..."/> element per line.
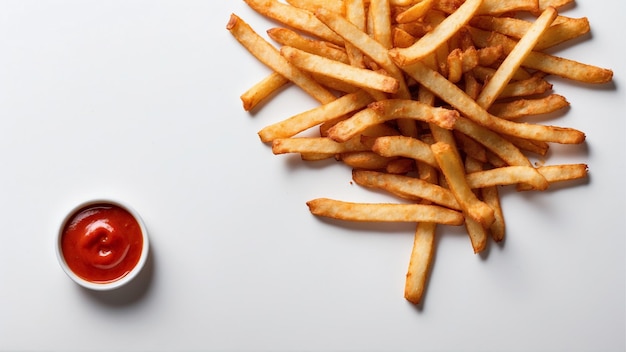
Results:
<point x="139" y="101"/>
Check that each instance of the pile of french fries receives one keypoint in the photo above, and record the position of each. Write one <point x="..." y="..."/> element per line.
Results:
<point x="430" y="100"/>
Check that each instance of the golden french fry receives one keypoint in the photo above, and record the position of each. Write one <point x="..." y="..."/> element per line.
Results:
<point x="328" y="50"/>
<point x="415" y="12"/>
<point x="544" y="4"/>
<point x="411" y="109"/>
<point x="315" y="145"/>
<point x="270" y="56"/>
<point x="452" y="168"/>
<point x="470" y="147"/>
<point x="431" y="41"/>
<point x="262" y="90"/>
<point x="409" y="147"/>
<point x="359" y="77"/>
<point x="311" y="5"/>
<point x="355" y="14"/>
<point x="294" y="17"/>
<point x="382" y="111"/>
<point x="401" y="38"/>
<point x="519" y="108"/>
<point x="536" y="147"/>
<point x="415" y="29"/>
<point x="381" y="22"/>
<point x="420" y="261"/>
<point x="300" y="122"/>
<point x="559" y="33"/>
<point x="485" y="73"/>
<point x="446" y="7"/>
<point x="509" y="175"/>
<point x="490" y="55"/>
<point x="400" y="166"/>
<point x="365" y="160"/>
<point x="384" y="212"/>
<point x="491" y="196"/>
<point x="455" y="66"/>
<point x="406" y="187"/>
<point x="401" y="2"/>
<point x="461" y="61"/>
<point x="477" y="232"/>
<point x="498" y="7"/>
<point x="472" y="86"/>
<point x="566" y="172"/>
<point x="535" y="85"/>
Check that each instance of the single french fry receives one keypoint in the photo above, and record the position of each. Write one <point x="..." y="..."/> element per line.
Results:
<point x="509" y="175"/>
<point x="461" y="61"/>
<point x="381" y="22"/>
<point x="311" y="5"/>
<point x="498" y="7"/>
<point x="328" y="50"/>
<point x="400" y="166"/>
<point x="535" y="85"/>
<point x="270" y="56"/>
<point x="544" y="4"/>
<point x="491" y="196"/>
<point x="380" y="112"/>
<point x="476" y="231"/>
<point x="537" y="147"/>
<point x="415" y="12"/>
<point x="365" y="160"/>
<point x="490" y="55"/>
<point x="401" y="38"/>
<point x="485" y="73"/>
<point x="359" y="77"/>
<point x="519" y="108"/>
<point x="262" y="90"/>
<point x="565" y="172"/>
<point x="355" y="14"/>
<point x="406" y="187"/>
<point x="409" y="147"/>
<point x="384" y="212"/>
<point x="470" y="147"/>
<point x="472" y="86"/>
<point x="305" y="120"/>
<point x="411" y="109"/>
<point x="420" y="261"/>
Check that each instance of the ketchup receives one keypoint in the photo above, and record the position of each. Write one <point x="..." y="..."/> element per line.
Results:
<point x="102" y="243"/>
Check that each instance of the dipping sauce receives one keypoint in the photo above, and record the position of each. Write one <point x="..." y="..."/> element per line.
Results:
<point x="101" y="243"/>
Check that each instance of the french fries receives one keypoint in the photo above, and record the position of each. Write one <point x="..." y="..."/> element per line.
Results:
<point x="425" y="100"/>
<point x="384" y="212"/>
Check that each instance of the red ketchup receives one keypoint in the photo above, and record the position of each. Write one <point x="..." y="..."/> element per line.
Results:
<point x="102" y="243"/>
